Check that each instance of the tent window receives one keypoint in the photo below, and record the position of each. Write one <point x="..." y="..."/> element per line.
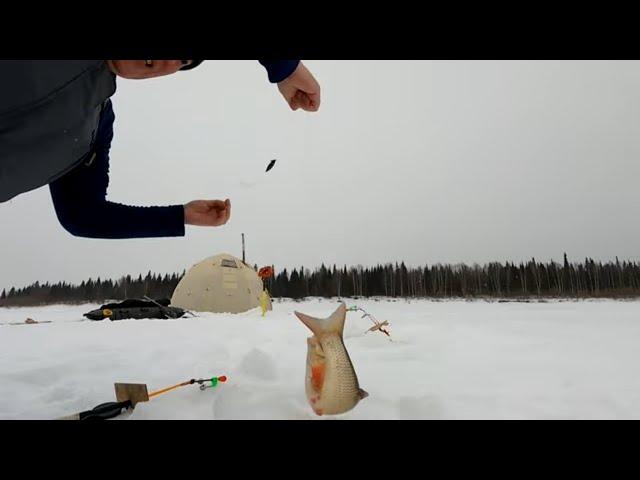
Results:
<point x="229" y="263"/>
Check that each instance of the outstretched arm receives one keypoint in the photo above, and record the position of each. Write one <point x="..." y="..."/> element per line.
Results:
<point x="80" y="201"/>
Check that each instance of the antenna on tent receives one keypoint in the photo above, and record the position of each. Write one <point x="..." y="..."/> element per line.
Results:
<point x="243" y="248"/>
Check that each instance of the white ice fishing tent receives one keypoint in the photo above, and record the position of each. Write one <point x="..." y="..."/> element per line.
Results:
<point x="219" y="284"/>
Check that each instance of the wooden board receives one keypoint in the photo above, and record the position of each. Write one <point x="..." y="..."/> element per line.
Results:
<point x="135" y="392"/>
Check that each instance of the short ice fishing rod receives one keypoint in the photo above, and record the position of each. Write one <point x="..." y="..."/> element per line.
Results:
<point x="129" y="394"/>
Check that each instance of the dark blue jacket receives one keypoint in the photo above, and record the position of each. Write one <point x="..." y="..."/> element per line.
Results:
<point x="79" y="197"/>
<point x="49" y="115"/>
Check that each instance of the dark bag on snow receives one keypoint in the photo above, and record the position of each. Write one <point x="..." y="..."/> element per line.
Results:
<point x="136" y="308"/>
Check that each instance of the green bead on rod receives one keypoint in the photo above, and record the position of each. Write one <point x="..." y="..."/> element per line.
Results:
<point x="214" y="381"/>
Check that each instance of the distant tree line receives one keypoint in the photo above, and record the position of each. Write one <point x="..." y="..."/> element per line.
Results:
<point x="492" y="280"/>
<point x="508" y="280"/>
<point x="92" y="291"/>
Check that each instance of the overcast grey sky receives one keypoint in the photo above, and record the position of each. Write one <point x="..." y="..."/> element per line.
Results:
<point x="421" y="161"/>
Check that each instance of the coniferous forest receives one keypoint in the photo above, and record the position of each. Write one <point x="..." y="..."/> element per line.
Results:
<point x="533" y="279"/>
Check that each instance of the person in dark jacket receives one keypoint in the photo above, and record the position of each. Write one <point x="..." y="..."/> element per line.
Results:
<point x="78" y="179"/>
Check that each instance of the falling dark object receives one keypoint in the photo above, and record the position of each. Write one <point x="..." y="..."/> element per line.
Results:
<point x="270" y="166"/>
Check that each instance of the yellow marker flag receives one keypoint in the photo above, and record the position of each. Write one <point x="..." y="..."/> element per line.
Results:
<point x="265" y="302"/>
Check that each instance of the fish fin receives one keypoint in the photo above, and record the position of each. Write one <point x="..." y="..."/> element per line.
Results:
<point x="315" y="347"/>
<point x="333" y="324"/>
<point x="314" y="324"/>
<point x="362" y="394"/>
<point x="336" y="320"/>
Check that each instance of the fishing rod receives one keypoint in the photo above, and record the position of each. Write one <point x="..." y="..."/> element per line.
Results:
<point x="129" y="394"/>
<point x="377" y="325"/>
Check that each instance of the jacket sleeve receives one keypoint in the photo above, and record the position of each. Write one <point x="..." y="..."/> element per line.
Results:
<point x="279" y="70"/>
<point x="81" y="206"/>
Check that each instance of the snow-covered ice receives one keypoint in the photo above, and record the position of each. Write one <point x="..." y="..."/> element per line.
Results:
<point x="446" y="360"/>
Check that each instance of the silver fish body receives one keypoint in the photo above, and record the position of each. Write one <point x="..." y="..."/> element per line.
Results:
<point x="331" y="383"/>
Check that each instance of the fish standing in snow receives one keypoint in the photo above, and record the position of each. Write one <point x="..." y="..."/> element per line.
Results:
<point x="331" y="383"/>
